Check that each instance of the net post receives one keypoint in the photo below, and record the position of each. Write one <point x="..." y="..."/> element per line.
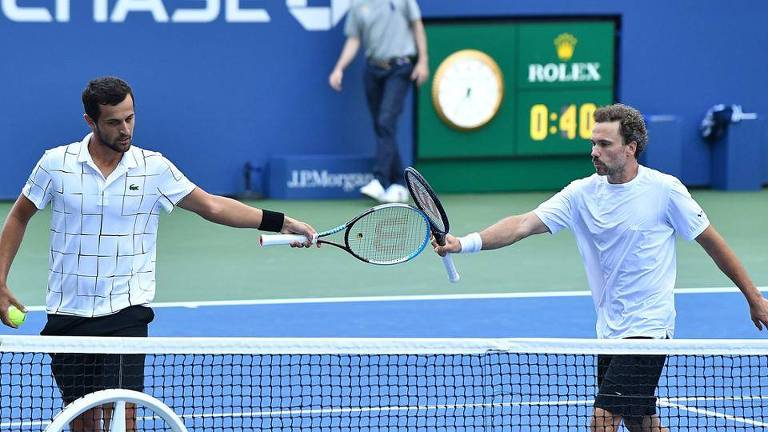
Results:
<point x="119" y="396"/>
<point x="118" y="417"/>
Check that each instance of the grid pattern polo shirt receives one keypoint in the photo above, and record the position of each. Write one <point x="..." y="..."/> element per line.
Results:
<point x="103" y="230"/>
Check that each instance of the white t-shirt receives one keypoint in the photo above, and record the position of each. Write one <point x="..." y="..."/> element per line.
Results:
<point x="626" y="236"/>
<point x="103" y="231"/>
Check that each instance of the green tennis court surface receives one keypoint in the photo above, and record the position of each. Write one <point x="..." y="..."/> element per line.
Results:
<point x="200" y="261"/>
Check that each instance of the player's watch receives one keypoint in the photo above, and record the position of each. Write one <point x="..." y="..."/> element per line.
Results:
<point x="467" y="89"/>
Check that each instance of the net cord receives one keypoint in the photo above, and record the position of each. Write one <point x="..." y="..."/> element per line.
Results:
<point x="193" y="345"/>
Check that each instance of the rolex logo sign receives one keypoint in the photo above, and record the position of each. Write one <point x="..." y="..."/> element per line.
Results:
<point x="565" y="70"/>
<point x="565" y="44"/>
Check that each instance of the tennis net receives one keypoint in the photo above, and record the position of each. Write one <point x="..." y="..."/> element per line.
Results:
<point x="322" y="384"/>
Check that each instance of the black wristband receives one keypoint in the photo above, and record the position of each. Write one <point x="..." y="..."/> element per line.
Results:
<point x="271" y="221"/>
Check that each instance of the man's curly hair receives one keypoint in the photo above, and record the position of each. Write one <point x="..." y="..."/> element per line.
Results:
<point x="631" y="124"/>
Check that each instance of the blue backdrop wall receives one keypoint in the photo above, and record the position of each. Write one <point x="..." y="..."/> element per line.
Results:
<point x="222" y="82"/>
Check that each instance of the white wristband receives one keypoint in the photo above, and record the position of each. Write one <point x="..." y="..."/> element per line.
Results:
<point x="471" y="243"/>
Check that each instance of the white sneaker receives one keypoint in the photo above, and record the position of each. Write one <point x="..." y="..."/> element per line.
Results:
<point x="396" y="193"/>
<point x="374" y="189"/>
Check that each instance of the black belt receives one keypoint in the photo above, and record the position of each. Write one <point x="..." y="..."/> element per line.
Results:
<point x="390" y="62"/>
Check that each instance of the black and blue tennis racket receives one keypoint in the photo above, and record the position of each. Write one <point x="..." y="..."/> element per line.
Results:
<point x="384" y="235"/>
<point x="426" y="199"/>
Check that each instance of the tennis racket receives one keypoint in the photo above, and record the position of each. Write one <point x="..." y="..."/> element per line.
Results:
<point x="426" y="199"/>
<point x="385" y="234"/>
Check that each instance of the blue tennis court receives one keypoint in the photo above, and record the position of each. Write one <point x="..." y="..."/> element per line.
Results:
<point x="476" y="389"/>
<point x="701" y="313"/>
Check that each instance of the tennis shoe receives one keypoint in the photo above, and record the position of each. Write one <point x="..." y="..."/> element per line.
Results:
<point x="396" y="193"/>
<point x="374" y="189"/>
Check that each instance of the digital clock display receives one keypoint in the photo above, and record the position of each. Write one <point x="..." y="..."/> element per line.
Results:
<point x="566" y="120"/>
<point x="557" y="122"/>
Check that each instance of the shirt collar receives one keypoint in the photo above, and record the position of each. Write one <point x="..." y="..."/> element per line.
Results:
<point x="128" y="160"/>
<point x="84" y="155"/>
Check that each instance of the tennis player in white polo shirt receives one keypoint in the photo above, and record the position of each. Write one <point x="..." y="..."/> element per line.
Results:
<point x="625" y="218"/>
<point x="106" y="196"/>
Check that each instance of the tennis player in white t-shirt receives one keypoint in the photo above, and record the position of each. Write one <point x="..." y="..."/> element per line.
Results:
<point x="106" y="197"/>
<point x="625" y="218"/>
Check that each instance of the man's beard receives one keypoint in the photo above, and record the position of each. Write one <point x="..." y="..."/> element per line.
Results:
<point x="114" y="145"/>
<point x="605" y="170"/>
<point x="600" y="168"/>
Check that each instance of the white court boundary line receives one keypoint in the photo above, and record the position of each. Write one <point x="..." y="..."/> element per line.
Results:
<point x="364" y="299"/>
<point x="662" y="402"/>
<point x="710" y="413"/>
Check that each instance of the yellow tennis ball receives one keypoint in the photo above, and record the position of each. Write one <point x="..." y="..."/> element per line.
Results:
<point x="15" y="316"/>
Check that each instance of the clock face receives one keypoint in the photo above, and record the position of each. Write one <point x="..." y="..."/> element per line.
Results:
<point x="467" y="89"/>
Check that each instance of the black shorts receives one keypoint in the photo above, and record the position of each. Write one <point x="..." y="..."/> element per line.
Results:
<point x="80" y="374"/>
<point x="627" y="384"/>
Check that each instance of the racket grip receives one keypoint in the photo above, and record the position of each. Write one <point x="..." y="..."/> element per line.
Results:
<point x="453" y="275"/>
<point x="281" y="239"/>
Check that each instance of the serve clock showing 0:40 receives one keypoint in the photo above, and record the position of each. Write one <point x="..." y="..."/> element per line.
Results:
<point x="467" y="89"/>
<point x="570" y="121"/>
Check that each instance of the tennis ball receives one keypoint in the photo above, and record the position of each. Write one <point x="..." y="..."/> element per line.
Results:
<point x="15" y="316"/>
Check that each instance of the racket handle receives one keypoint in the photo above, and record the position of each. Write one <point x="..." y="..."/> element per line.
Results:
<point x="453" y="275"/>
<point x="281" y="239"/>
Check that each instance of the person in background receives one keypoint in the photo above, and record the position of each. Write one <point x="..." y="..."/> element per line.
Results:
<point x="396" y="55"/>
<point x="625" y="218"/>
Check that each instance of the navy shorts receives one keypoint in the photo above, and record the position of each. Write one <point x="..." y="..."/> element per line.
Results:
<point x="80" y="374"/>
<point x="627" y="384"/>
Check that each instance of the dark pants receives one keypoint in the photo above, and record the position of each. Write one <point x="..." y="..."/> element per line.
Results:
<point x="80" y="374"/>
<point x="385" y="90"/>
<point x="627" y="384"/>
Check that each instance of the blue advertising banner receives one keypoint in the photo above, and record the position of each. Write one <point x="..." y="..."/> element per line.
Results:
<point x="222" y="83"/>
<point x="315" y="177"/>
<point x="217" y="83"/>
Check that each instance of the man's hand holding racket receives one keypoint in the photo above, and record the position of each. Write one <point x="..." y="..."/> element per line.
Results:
<point x="427" y="201"/>
<point x="452" y="245"/>
<point x="293" y="226"/>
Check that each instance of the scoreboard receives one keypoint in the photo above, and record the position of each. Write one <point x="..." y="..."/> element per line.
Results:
<point x="519" y="94"/>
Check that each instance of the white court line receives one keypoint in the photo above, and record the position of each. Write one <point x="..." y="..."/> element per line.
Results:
<point x="710" y="413"/>
<point x="339" y="410"/>
<point x="716" y="398"/>
<point x="309" y="300"/>
<point x="357" y="410"/>
<point x="666" y="402"/>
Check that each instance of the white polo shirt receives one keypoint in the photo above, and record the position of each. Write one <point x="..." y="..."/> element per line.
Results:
<point x="626" y="237"/>
<point x="103" y="231"/>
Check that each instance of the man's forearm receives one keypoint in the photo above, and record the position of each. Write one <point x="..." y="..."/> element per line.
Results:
<point x="730" y="265"/>
<point x="10" y="241"/>
<point x="230" y="212"/>
<point x="348" y="53"/>
<point x="511" y="230"/>
<point x="421" y="41"/>
<point x="727" y="261"/>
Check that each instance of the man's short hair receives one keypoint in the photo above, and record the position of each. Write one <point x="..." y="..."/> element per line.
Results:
<point x="104" y="91"/>
<point x="631" y="124"/>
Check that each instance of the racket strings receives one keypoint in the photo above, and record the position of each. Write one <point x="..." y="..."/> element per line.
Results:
<point x="426" y="203"/>
<point x="388" y="235"/>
